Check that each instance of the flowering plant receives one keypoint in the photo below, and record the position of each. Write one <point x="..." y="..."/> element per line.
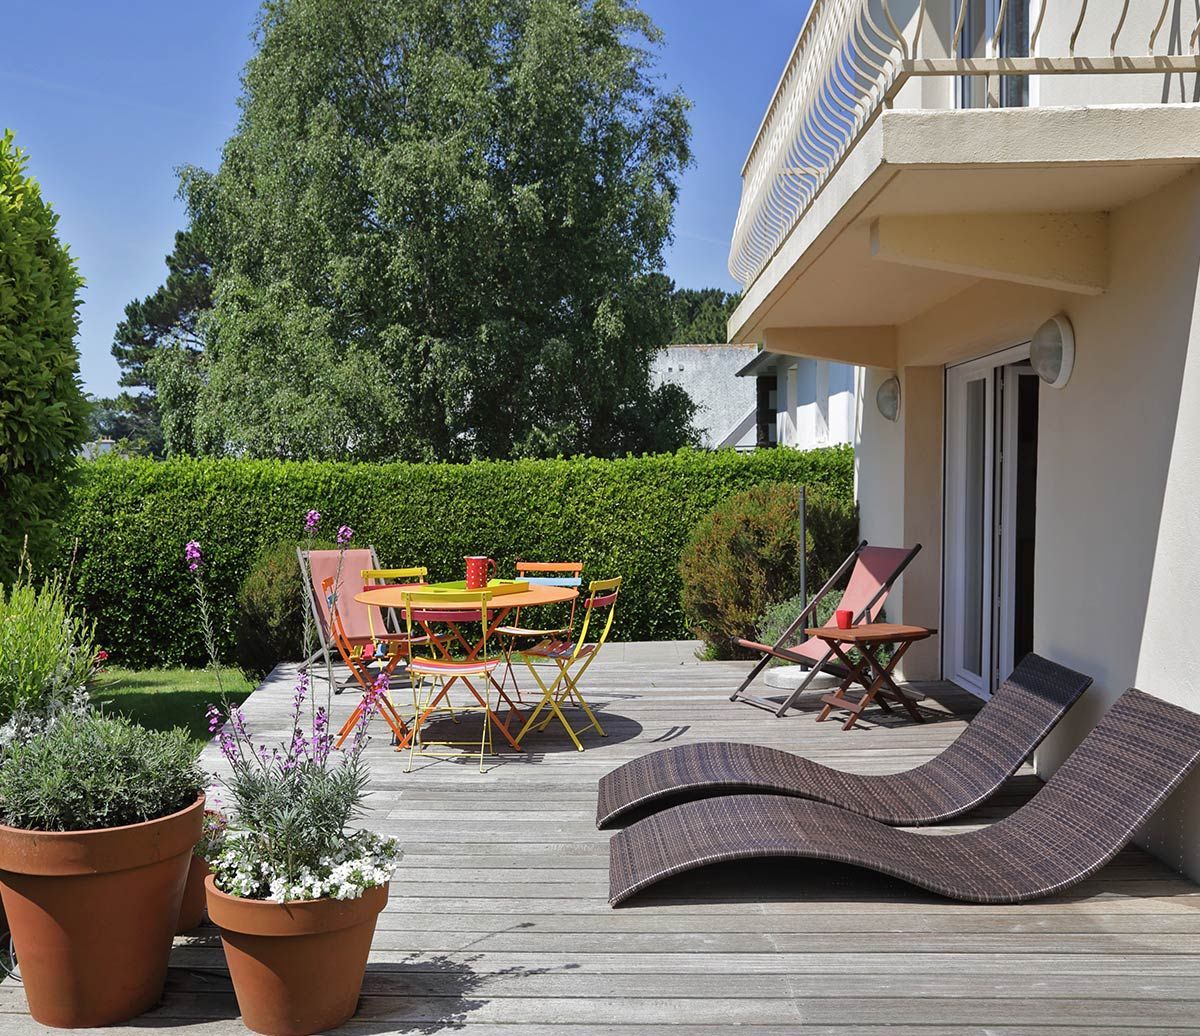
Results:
<point x="212" y="834"/>
<point x="289" y="834"/>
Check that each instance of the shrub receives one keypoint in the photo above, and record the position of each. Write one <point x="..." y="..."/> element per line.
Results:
<point x="628" y="517"/>
<point x="778" y="617"/>
<point x="270" y="612"/>
<point x="43" y="414"/>
<point x="47" y="656"/>
<point x="745" y="556"/>
<point x="94" y="771"/>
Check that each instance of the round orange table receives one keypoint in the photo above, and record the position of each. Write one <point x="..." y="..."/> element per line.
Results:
<point x="392" y="596"/>
<point x="499" y="608"/>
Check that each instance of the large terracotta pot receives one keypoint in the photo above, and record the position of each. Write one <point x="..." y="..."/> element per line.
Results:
<point x="297" y="967"/>
<point x="93" y="914"/>
<point x="191" y="911"/>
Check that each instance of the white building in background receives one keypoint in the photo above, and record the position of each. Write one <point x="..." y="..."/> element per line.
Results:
<point x="748" y="398"/>
<point x="802" y="403"/>
<point x="1012" y="260"/>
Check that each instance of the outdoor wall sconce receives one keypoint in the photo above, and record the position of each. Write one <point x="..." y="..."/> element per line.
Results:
<point x="887" y="398"/>
<point x="1052" y="351"/>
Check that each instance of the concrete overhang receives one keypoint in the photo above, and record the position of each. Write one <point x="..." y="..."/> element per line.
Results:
<point x="928" y="203"/>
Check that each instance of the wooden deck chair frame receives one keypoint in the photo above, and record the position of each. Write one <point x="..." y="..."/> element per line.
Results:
<point x="827" y="662"/>
<point x="602" y="593"/>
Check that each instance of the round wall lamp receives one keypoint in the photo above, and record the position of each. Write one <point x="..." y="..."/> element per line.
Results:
<point x="1052" y="351"/>
<point x="887" y="398"/>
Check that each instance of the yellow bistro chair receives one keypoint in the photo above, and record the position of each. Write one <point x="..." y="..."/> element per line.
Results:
<point x="572" y="661"/>
<point x="424" y="609"/>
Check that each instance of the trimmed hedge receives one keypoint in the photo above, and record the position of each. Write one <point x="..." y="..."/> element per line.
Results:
<point x="628" y="517"/>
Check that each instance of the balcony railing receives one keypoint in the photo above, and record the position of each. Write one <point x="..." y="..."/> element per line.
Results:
<point x="853" y="56"/>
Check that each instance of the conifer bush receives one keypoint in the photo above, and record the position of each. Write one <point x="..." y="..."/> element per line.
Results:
<point x="43" y="413"/>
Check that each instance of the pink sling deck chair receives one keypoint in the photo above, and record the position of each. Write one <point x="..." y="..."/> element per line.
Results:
<point x="359" y="570"/>
<point x="875" y="571"/>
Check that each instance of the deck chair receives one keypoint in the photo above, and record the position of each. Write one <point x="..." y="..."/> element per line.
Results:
<point x="538" y="573"/>
<point x="1097" y="800"/>
<point x="359" y="569"/>
<point x="1001" y="736"/>
<point x="572" y="660"/>
<point x="873" y="573"/>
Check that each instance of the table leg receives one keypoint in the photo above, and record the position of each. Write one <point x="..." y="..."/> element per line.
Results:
<point x="854" y="675"/>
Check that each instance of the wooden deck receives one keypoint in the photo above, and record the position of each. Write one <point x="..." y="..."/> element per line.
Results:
<point x="498" y="924"/>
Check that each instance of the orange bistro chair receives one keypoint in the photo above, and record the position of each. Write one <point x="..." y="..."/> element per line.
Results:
<point x="538" y="573"/>
<point x="572" y="661"/>
<point x="422" y="610"/>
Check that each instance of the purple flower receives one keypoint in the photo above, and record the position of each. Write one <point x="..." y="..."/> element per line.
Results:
<point x="311" y="521"/>
<point x="213" y="715"/>
<point x="322" y="740"/>
<point x="191" y="554"/>
<point x="344" y="535"/>
<point x="228" y="748"/>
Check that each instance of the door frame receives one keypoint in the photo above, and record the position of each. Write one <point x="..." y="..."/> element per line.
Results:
<point x="953" y="519"/>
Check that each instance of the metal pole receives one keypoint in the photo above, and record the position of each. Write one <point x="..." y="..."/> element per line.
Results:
<point x="803" y="555"/>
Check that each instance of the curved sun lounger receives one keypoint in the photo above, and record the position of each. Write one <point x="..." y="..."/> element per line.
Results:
<point x="1001" y="736"/>
<point x="1109" y="786"/>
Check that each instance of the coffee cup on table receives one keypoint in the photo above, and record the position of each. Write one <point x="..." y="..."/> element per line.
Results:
<point x="844" y="618"/>
<point x="477" y="571"/>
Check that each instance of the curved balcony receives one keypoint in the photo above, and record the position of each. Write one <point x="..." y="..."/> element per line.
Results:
<point x="854" y="57"/>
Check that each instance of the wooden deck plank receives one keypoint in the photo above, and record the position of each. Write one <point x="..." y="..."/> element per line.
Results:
<point x="497" y="923"/>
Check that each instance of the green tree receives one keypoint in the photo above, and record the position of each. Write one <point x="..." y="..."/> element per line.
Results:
<point x="435" y="234"/>
<point x="43" y="413"/>
<point x="701" y="315"/>
<point x="167" y="321"/>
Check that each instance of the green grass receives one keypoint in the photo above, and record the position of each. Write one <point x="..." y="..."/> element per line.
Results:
<point x="163" y="698"/>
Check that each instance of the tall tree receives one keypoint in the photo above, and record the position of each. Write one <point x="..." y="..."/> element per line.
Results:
<point x="165" y="323"/>
<point x="701" y="315"/>
<point x="435" y="233"/>
<point x="43" y="414"/>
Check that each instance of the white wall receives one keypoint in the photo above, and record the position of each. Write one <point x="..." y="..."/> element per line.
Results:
<point x="817" y="403"/>
<point x="1117" y="570"/>
<point x="707" y="373"/>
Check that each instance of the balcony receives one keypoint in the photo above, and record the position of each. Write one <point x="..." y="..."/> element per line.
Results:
<point x="1076" y="93"/>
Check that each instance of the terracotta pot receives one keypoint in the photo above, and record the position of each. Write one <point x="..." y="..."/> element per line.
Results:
<point x="297" y="967"/>
<point x="191" y="912"/>
<point x="93" y="914"/>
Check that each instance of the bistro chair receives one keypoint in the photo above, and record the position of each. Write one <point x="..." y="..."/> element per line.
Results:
<point x="440" y="671"/>
<point x="572" y="661"/>
<point x="538" y="573"/>
<point x="357" y="657"/>
<point x="873" y="573"/>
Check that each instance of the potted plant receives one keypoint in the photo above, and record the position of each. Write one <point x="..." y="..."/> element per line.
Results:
<point x="191" y="911"/>
<point x="294" y="889"/>
<point x="98" y="818"/>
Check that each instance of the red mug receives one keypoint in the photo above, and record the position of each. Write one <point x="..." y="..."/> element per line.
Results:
<point x="477" y="571"/>
<point x="844" y="617"/>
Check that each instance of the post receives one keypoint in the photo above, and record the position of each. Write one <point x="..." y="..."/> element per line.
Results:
<point x="803" y="555"/>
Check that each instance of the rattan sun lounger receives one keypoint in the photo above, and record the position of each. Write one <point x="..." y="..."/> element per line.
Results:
<point x="1006" y="730"/>
<point x="1109" y="786"/>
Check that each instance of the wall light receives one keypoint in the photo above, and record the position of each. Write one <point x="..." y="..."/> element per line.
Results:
<point x="887" y="398"/>
<point x="1052" y="351"/>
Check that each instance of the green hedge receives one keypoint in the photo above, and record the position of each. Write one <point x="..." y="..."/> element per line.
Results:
<point x="131" y="518"/>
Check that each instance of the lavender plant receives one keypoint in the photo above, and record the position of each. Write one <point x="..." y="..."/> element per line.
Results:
<point x="195" y="562"/>
<point x="289" y="834"/>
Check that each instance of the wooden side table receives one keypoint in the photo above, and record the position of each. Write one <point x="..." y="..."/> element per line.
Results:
<point x="870" y="672"/>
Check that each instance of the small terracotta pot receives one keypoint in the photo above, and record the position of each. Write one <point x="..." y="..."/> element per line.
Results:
<point x="93" y="914"/>
<point x="297" y="967"/>
<point x="191" y="912"/>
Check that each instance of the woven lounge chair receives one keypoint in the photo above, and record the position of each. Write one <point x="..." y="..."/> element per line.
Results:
<point x="873" y="573"/>
<point x="1005" y="731"/>
<point x="1096" y="801"/>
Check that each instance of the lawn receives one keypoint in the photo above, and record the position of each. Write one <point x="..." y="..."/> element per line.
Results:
<point x="165" y="698"/>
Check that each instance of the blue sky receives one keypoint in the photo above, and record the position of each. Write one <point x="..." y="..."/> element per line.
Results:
<point x="108" y="99"/>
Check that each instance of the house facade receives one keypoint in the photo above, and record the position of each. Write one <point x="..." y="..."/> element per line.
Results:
<point x="748" y="399"/>
<point x="992" y="208"/>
